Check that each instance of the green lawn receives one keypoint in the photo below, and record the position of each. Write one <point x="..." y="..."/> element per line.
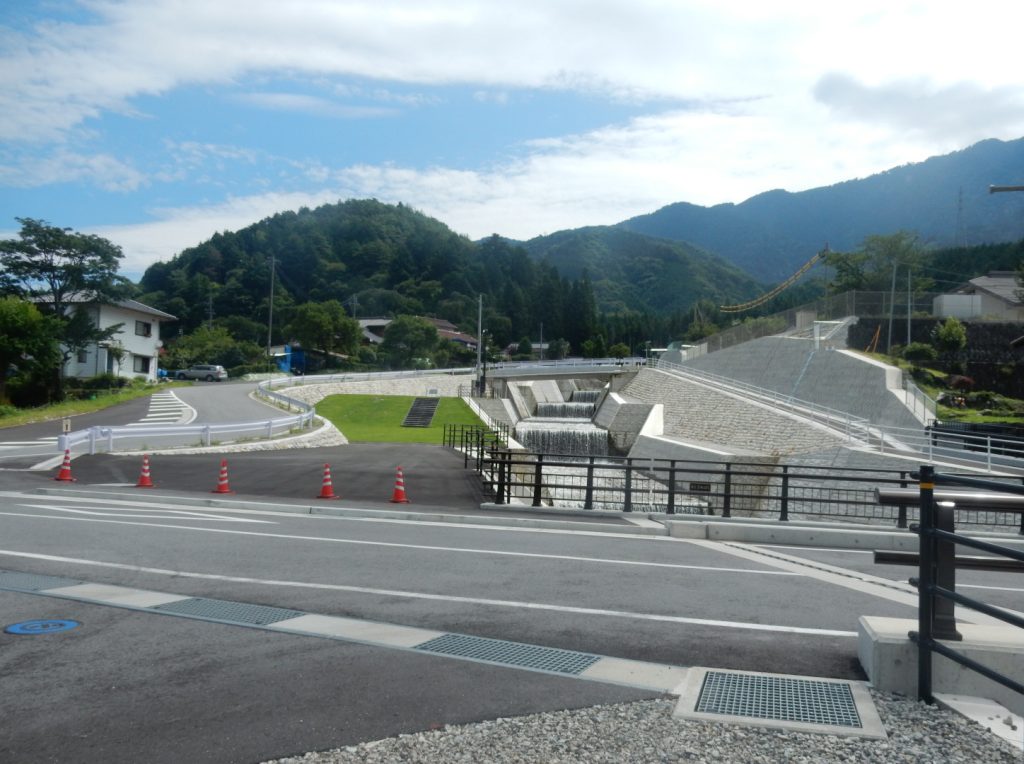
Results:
<point x="378" y="418"/>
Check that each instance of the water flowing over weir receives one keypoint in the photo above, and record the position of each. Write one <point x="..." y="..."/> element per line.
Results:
<point x="562" y="436"/>
<point x="585" y="396"/>
<point x="572" y="410"/>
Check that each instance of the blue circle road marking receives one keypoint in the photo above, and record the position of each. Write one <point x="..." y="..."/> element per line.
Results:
<point x="46" y="626"/>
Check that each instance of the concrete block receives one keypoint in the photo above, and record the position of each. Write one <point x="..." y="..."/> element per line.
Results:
<point x="890" y="659"/>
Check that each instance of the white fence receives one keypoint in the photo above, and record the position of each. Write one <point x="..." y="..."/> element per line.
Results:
<point x="134" y="437"/>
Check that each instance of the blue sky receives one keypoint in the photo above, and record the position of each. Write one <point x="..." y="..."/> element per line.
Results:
<point x="158" y="123"/>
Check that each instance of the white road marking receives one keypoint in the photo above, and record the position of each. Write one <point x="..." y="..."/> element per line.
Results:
<point x="442" y="597"/>
<point x="992" y="588"/>
<point x="425" y="547"/>
<point x="864" y="583"/>
<point x="172" y="515"/>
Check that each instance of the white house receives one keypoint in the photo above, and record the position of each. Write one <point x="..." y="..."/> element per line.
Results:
<point x="138" y="340"/>
<point x="992" y="296"/>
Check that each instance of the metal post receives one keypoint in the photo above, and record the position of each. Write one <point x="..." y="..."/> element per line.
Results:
<point x="727" y="491"/>
<point x="925" y="582"/>
<point x="627" y="504"/>
<point x="944" y="625"/>
<point x="537" y="473"/>
<point x="588" y="500"/>
<point x="901" y="518"/>
<point x="672" y="492"/>
<point x="784" y="512"/>
<point x="500" y="493"/>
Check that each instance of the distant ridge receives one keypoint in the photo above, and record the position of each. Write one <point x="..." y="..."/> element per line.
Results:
<point x="944" y="199"/>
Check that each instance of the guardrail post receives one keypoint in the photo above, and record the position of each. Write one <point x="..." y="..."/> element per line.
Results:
<point x="206" y="435"/>
<point x="988" y="451"/>
<point x="784" y="511"/>
<point x="627" y="504"/>
<point x="671" y="510"/>
<point x="727" y="492"/>
<point x="270" y="428"/>
<point x="537" y="474"/>
<point x="925" y="582"/>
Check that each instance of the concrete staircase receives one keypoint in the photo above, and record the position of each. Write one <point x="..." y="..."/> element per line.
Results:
<point x="421" y="413"/>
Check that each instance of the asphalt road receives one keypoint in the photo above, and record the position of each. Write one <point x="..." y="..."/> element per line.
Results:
<point x="131" y="686"/>
<point x="135" y="685"/>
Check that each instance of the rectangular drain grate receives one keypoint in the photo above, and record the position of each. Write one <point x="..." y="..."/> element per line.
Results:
<point x="510" y="653"/>
<point x="30" y="582"/>
<point x="782" y="698"/>
<point x="232" y="612"/>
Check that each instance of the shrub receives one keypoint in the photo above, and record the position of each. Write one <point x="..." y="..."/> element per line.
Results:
<point x="920" y="352"/>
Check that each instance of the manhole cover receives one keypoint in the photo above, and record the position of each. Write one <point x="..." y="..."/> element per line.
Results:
<point x="44" y="626"/>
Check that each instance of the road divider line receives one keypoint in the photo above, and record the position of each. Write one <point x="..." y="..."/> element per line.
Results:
<point x="424" y="547"/>
<point x="449" y="598"/>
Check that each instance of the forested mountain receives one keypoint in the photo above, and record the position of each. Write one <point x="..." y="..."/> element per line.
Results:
<point x="376" y="259"/>
<point x="945" y="200"/>
<point x="384" y="260"/>
<point x="630" y="271"/>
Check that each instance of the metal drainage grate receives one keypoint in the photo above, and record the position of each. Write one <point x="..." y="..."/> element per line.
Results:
<point x="30" y="582"/>
<point x="224" y="610"/>
<point x="510" y="653"/>
<point x="782" y="698"/>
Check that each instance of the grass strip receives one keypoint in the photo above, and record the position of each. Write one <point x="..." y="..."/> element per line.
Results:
<point x="378" y="418"/>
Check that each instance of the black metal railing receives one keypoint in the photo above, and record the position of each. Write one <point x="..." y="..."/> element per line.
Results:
<point x="936" y="581"/>
<point x="474" y="440"/>
<point x="762" y="489"/>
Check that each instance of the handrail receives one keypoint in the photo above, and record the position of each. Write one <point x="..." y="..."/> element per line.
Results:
<point x="262" y="428"/>
<point x="936" y="581"/>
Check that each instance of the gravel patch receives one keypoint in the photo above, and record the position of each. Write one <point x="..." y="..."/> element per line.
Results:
<point x="647" y="732"/>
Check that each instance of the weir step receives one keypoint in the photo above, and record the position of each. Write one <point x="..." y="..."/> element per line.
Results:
<point x="421" y="413"/>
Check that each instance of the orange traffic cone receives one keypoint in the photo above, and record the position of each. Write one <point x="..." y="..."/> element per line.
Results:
<point x="145" y="481"/>
<point x="222" y="481"/>
<point x="398" y="497"/>
<point x="327" y="490"/>
<point x="65" y="468"/>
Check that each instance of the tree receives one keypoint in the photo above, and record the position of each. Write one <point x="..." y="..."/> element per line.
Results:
<point x="55" y="264"/>
<point x="26" y="339"/>
<point x="949" y="338"/>
<point x="212" y="345"/>
<point x="873" y="266"/>
<point x="57" y="267"/>
<point x="618" y="350"/>
<point x="325" y="326"/>
<point x="524" y="348"/>
<point x="409" y="341"/>
<point x="558" y="349"/>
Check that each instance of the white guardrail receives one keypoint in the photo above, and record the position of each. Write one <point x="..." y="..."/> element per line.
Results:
<point x="108" y="438"/>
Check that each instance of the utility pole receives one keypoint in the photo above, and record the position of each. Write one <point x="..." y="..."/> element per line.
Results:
<point x="270" y="314"/>
<point x="479" y="337"/>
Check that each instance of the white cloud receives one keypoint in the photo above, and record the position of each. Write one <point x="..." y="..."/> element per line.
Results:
<point x="697" y="50"/>
<point x="65" y="166"/>
<point x="601" y="177"/>
<point x="307" y="104"/>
